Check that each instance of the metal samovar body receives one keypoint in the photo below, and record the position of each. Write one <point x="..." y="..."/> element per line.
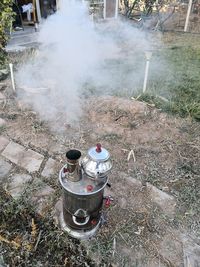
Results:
<point x="83" y="182"/>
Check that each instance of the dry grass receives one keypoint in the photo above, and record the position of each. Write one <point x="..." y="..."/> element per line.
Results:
<point x="28" y="239"/>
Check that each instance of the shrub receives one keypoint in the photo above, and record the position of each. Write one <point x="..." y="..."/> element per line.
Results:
<point x="6" y="15"/>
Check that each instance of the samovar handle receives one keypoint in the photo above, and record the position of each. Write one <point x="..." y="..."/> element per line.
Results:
<point x="86" y="217"/>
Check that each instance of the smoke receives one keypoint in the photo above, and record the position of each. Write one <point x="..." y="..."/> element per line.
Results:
<point x="77" y="56"/>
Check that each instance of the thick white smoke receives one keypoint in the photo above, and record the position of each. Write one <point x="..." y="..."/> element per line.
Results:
<point x="74" y="55"/>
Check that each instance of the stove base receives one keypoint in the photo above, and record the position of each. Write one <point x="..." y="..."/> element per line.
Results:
<point x="79" y="234"/>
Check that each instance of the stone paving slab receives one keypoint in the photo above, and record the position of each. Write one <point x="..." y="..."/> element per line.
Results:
<point x="18" y="184"/>
<point x="14" y="152"/>
<point x="3" y="142"/>
<point x="5" y="167"/>
<point x="50" y="169"/>
<point x="27" y="159"/>
<point x="31" y="160"/>
<point x="165" y="201"/>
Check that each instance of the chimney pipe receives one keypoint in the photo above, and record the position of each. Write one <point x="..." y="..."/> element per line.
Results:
<point x="73" y="168"/>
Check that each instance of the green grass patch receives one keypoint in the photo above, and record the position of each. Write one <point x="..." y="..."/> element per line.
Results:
<point x="175" y="87"/>
<point x="2" y="129"/>
<point x="183" y="106"/>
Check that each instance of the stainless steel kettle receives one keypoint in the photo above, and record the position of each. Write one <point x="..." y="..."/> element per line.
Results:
<point x="97" y="164"/>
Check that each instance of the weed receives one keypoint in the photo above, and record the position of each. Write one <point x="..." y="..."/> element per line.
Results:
<point x="38" y="126"/>
<point x="2" y="129"/>
<point x="111" y="137"/>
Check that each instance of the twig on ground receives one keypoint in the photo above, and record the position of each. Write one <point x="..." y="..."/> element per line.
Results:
<point x="162" y="98"/>
<point x="181" y="156"/>
<point x="140" y="230"/>
<point x="114" y="247"/>
<point x="125" y="150"/>
<point x="123" y="239"/>
<point x="131" y="153"/>
<point x="38" y="240"/>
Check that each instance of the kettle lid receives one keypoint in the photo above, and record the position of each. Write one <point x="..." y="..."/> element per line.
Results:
<point x="98" y="153"/>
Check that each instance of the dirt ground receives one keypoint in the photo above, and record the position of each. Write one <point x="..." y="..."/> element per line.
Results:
<point x="146" y="225"/>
